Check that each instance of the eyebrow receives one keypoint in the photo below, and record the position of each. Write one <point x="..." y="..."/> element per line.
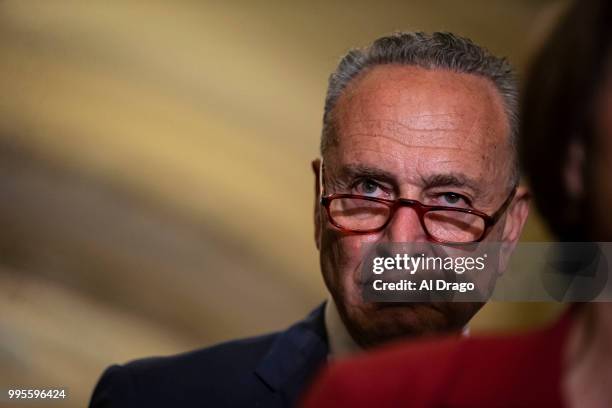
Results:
<point x="353" y="170"/>
<point x="451" y="179"/>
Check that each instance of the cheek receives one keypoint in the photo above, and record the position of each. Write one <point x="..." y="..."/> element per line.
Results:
<point x="497" y="231"/>
<point x="342" y="253"/>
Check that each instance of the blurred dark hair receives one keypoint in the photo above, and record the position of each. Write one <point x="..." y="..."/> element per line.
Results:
<point x="557" y="106"/>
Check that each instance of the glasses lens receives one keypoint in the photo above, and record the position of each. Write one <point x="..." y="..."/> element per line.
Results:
<point x="358" y="214"/>
<point x="454" y="226"/>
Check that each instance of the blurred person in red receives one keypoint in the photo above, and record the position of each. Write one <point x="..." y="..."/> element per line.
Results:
<point x="566" y="152"/>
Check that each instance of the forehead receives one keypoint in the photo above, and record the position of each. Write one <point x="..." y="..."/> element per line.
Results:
<point x="399" y="114"/>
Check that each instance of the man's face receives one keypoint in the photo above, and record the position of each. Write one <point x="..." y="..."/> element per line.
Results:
<point x="431" y="135"/>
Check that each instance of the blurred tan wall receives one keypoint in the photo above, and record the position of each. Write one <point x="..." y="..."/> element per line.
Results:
<point x="154" y="169"/>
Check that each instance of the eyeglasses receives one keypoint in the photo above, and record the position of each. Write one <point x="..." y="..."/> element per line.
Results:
<point x="352" y="213"/>
<point x="363" y="214"/>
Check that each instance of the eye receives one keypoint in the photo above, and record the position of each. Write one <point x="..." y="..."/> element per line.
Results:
<point x="368" y="187"/>
<point x="453" y="200"/>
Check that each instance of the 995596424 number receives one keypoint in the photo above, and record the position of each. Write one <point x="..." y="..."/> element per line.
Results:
<point x="36" y="393"/>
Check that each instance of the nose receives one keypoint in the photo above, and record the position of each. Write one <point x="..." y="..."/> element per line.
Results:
<point x="405" y="226"/>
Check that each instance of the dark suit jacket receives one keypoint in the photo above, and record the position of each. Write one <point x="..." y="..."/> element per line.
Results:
<point x="266" y="371"/>
<point x="520" y="370"/>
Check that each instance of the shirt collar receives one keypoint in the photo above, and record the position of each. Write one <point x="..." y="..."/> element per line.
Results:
<point x="341" y="344"/>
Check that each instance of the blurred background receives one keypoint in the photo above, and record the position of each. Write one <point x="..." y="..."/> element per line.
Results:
<point x="156" y="193"/>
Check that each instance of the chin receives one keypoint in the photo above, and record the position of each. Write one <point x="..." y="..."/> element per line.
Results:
<point x="373" y="324"/>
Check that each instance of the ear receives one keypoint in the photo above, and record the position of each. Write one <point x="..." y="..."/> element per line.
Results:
<point x="517" y="215"/>
<point x="513" y="225"/>
<point x="316" y="166"/>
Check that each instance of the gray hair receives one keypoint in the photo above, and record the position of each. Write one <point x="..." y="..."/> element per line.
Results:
<point x="439" y="50"/>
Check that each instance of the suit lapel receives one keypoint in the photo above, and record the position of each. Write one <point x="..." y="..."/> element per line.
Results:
<point x="295" y="356"/>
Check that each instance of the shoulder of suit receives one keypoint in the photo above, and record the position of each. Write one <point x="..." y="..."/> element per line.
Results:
<point x="223" y="357"/>
<point x="201" y="373"/>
